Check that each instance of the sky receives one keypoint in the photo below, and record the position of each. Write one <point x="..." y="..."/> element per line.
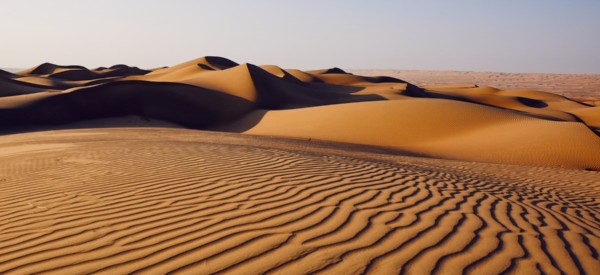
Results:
<point x="547" y="36"/>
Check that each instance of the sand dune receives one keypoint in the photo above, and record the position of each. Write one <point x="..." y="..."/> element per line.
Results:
<point x="81" y="73"/>
<point x="154" y="201"/>
<point x="571" y="85"/>
<point x="108" y="171"/>
<point x="456" y="130"/>
<point x="465" y="122"/>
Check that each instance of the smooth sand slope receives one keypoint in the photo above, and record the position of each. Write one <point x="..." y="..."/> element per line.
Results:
<point x="463" y="122"/>
<point x="153" y="201"/>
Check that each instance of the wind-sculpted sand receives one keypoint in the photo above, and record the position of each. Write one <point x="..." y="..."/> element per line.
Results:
<point x="154" y="201"/>
<point x="462" y="121"/>
<point x="113" y="171"/>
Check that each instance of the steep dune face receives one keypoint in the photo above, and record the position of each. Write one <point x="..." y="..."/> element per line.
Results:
<point x="167" y="201"/>
<point x="448" y="121"/>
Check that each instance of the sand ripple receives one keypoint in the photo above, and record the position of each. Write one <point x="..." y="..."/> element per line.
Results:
<point x="175" y="201"/>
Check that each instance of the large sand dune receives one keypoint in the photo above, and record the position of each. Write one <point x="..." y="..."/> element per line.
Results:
<point x="464" y="122"/>
<point x="110" y="170"/>
<point x="153" y="201"/>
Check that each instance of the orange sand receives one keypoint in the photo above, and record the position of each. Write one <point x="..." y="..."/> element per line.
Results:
<point x="153" y="201"/>
<point x="108" y="170"/>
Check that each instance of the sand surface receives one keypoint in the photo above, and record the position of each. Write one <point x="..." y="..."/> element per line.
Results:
<point x="452" y="121"/>
<point x="571" y="85"/>
<point x="116" y="201"/>
<point x="210" y="166"/>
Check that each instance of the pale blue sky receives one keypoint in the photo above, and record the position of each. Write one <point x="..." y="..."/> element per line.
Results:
<point x="485" y="35"/>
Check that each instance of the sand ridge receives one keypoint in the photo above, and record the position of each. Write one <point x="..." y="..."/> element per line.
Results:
<point x="158" y="200"/>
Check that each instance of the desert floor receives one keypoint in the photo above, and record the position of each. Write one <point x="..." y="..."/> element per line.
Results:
<point x="210" y="166"/>
<point x="154" y="200"/>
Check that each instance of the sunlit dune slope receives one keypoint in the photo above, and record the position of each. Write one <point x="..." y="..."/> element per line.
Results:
<point x="438" y="128"/>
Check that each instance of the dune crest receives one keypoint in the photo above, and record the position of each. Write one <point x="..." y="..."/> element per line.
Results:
<point x="464" y="122"/>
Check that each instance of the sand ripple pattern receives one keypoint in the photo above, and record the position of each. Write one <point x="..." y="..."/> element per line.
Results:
<point x="148" y="207"/>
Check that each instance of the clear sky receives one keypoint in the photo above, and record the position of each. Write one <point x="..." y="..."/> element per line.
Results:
<point x="484" y="35"/>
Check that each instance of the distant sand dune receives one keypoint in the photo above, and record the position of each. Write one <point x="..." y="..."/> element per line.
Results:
<point x="465" y="122"/>
<point x="116" y="201"/>
<point x="571" y="85"/>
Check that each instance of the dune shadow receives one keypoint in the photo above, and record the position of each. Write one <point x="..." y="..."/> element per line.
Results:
<point x="177" y="103"/>
<point x="220" y="62"/>
<point x="244" y="124"/>
<point x="534" y="103"/>
<point x="276" y="93"/>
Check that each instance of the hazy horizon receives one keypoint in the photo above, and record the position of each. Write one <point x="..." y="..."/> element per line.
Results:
<point x="509" y="36"/>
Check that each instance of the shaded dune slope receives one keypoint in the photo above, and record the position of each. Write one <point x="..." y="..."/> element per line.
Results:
<point x="80" y="72"/>
<point x="183" y="104"/>
<point x="122" y="201"/>
<point x="216" y="93"/>
<point x="12" y="87"/>
<point x="6" y="74"/>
